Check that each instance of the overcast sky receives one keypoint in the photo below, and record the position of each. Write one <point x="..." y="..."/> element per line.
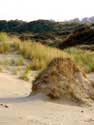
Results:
<point x="58" y="10"/>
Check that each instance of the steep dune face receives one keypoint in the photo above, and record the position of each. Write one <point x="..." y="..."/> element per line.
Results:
<point x="62" y="78"/>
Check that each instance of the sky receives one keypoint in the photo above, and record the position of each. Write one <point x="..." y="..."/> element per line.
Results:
<point x="58" y="10"/>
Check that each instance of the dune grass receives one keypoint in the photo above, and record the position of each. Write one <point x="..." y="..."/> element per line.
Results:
<point x="85" y="59"/>
<point x="3" y="37"/>
<point x="25" y="74"/>
<point x="39" y="55"/>
<point x="4" y="45"/>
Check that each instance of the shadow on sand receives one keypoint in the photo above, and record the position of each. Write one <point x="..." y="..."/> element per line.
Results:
<point x="38" y="97"/>
<point x="22" y="99"/>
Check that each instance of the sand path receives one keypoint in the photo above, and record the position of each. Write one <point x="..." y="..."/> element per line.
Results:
<point x="16" y="108"/>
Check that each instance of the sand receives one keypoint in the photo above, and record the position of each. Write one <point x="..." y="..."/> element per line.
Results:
<point x="17" y="108"/>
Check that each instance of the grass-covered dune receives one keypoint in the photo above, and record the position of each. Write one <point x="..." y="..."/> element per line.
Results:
<point x="79" y="37"/>
<point x="83" y="58"/>
<point x="40" y="55"/>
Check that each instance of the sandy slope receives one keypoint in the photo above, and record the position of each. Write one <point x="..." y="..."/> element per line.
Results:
<point x="36" y="110"/>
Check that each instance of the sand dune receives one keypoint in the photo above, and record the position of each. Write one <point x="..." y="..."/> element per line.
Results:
<point x="17" y="108"/>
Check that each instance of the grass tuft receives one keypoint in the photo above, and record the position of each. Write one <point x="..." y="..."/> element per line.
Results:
<point x="85" y="59"/>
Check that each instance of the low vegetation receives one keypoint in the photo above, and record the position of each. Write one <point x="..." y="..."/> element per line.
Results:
<point x="85" y="59"/>
<point x="25" y="75"/>
<point x="38" y="56"/>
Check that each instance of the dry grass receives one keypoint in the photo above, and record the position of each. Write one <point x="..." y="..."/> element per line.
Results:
<point x="3" y="37"/>
<point x="25" y="74"/>
<point x="41" y="55"/>
<point x="85" y="59"/>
